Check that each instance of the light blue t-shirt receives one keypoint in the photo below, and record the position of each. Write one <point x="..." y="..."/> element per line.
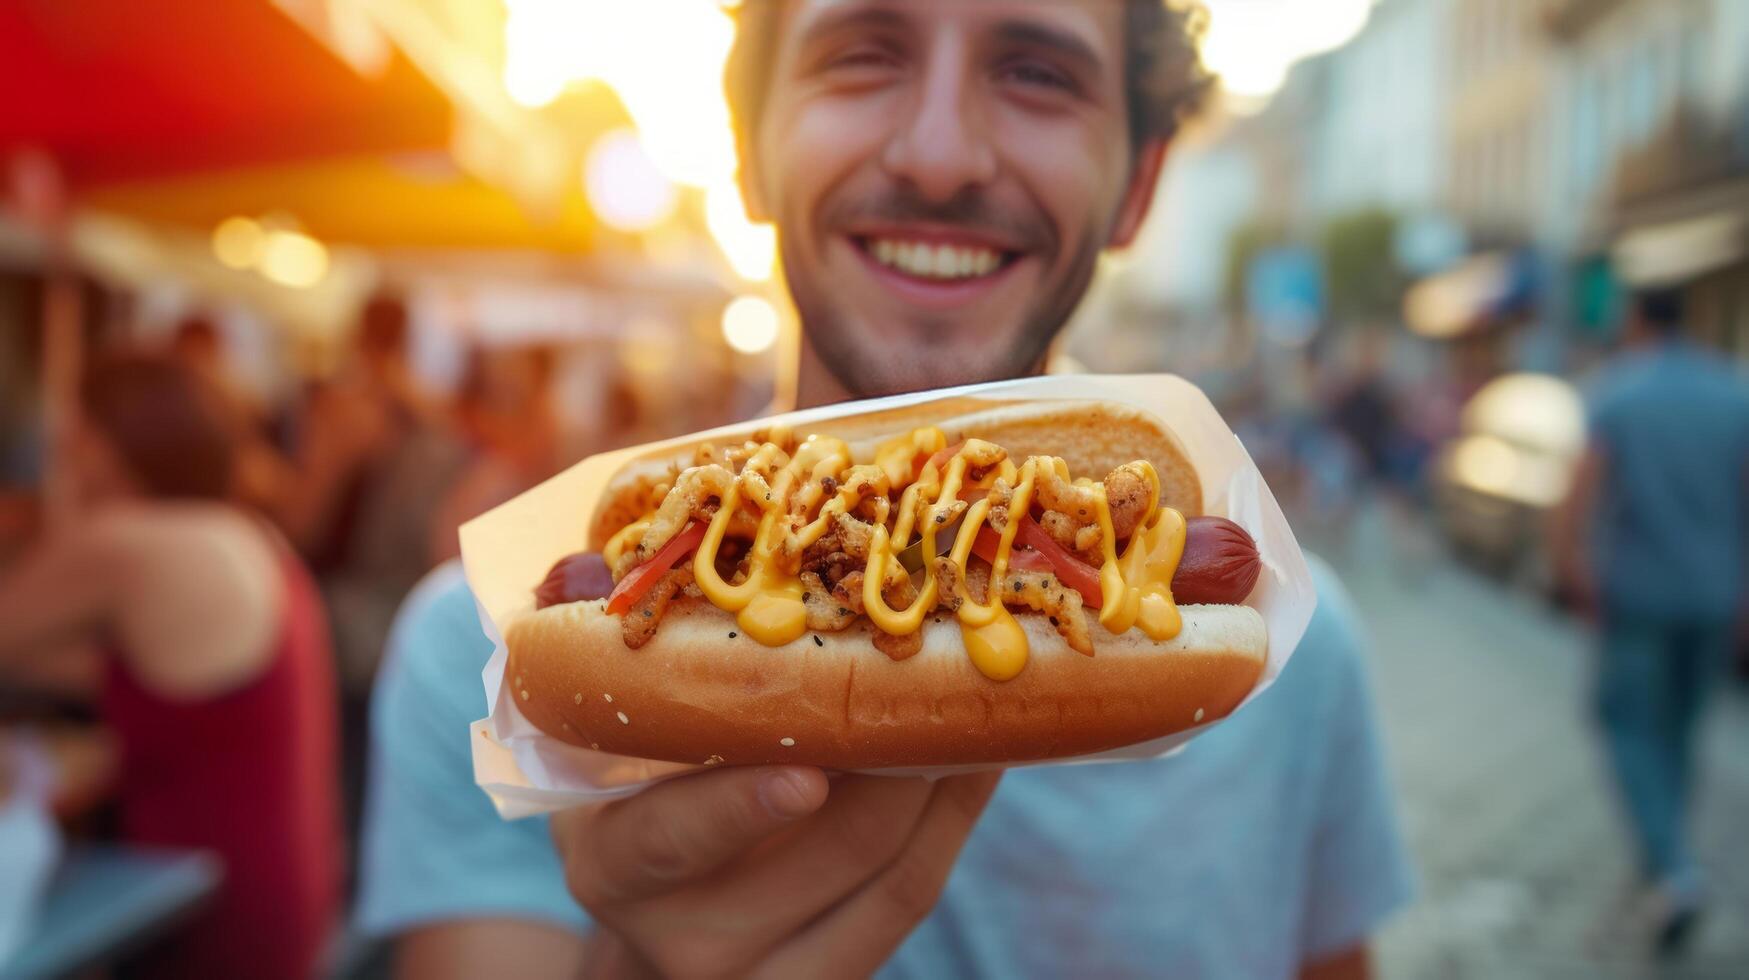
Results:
<point x="1271" y="841"/>
<point x="1672" y="530"/>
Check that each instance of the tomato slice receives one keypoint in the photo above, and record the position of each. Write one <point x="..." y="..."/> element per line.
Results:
<point x="940" y="458"/>
<point x="1072" y="571"/>
<point x="1019" y="559"/>
<point x="641" y="579"/>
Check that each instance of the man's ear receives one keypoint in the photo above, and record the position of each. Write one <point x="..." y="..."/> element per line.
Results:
<point x="1139" y="195"/>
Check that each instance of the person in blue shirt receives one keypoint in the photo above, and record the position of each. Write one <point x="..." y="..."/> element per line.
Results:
<point x="943" y="177"/>
<point x="1655" y="545"/>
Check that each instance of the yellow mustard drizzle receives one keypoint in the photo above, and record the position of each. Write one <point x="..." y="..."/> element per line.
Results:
<point x="896" y="456"/>
<point x="768" y="604"/>
<point x="1136" y="589"/>
<point x="993" y="637"/>
<point x="617" y="544"/>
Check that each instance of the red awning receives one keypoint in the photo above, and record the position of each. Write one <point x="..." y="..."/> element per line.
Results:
<point x="126" y="89"/>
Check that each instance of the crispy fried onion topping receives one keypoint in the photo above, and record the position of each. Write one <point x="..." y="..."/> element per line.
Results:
<point x="1070" y="515"/>
<point x="697" y="493"/>
<point x="640" y="621"/>
<point x="835" y="607"/>
<point x="1039" y="591"/>
<point x="831" y="568"/>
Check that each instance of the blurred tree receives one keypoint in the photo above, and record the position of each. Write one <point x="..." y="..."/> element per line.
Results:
<point x="1360" y="268"/>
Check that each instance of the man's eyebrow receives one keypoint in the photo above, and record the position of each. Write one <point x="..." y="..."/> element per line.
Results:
<point x="1063" y="42"/>
<point x="844" y="16"/>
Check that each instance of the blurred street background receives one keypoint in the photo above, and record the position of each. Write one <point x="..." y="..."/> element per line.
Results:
<point x="1484" y="693"/>
<point x="440" y="249"/>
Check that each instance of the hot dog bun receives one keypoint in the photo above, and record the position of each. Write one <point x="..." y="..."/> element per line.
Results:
<point x="694" y="695"/>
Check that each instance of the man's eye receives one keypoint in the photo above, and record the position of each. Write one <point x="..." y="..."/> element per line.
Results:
<point x="1032" y="73"/>
<point x="862" y="58"/>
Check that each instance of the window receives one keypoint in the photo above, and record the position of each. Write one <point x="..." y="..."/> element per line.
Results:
<point x="1642" y="92"/>
<point x="1696" y="60"/>
<point x="1587" y="132"/>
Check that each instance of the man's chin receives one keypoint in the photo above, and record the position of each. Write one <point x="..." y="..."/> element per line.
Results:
<point x="908" y="358"/>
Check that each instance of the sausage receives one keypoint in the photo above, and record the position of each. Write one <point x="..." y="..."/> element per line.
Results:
<point x="576" y="577"/>
<point x="1219" y="567"/>
<point x="1220" y="563"/>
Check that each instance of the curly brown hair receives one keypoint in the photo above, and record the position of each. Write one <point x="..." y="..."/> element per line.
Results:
<point x="1164" y="77"/>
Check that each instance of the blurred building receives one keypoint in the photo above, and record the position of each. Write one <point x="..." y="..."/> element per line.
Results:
<point x="1379" y="139"/>
<point x="1531" y="160"/>
<point x="1499" y="76"/>
<point x="1651" y="151"/>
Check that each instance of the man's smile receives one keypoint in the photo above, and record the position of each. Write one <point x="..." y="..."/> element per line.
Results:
<point x="934" y="266"/>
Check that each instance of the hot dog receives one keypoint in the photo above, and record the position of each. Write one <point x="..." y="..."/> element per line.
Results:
<point x="1219" y="566"/>
<point x="899" y="591"/>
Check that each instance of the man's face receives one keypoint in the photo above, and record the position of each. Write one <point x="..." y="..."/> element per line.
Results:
<point x="943" y="175"/>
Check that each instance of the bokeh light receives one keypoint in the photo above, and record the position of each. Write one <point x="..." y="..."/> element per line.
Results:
<point x="625" y="189"/>
<point x="675" y="100"/>
<point x="751" y="250"/>
<point x="1487" y="464"/>
<point x="293" y="259"/>
<point x="750" y="324"/>
<point x="1538" y="411"/>
<point x="238" y="242"/>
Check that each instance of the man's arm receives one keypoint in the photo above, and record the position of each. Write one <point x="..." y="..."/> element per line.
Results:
<point x="459" y="891"/>
<point x="1359" y="869"/>
<point x="1572" y="559"/>
<point x="468" y="948"/>
<point x="66" y="583"/>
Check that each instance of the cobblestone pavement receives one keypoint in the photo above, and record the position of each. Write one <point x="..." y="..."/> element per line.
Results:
<point x="1523" y="863"/>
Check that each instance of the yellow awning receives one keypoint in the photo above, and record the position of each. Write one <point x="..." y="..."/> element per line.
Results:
<point x="413" y="202"/>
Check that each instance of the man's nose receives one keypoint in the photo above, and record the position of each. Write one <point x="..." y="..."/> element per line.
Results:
<point x="944" y="145"/>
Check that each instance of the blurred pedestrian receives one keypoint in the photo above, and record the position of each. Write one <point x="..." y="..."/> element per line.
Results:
<point x="196" y="342"/>
<point x="1364" y="409"/>
<point x="1654" y="541"/>
<point x="509" y="422"/>
<point x="217" y="682"/>
<point x="263" y="473"/>
<point x="373" y="456"/>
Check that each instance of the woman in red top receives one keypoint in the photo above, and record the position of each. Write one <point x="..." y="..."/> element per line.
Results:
<point x="217" y="681"/>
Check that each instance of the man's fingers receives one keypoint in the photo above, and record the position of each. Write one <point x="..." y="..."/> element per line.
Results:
<point x="817" y="863"/>
<point x="679" y="830"/>
<point x="856" y="937"/>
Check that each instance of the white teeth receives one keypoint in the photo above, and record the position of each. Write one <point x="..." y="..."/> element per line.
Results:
<point x="934" y="261"/>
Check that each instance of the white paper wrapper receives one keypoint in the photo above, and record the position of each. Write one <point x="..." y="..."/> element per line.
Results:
<point x="507" y="552"/>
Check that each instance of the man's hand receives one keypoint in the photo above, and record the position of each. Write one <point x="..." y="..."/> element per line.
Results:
<point x="766" y="871"/>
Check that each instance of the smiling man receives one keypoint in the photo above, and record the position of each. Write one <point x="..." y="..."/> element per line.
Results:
<point x="943" y="175"/>
<point x="943" y="181"/>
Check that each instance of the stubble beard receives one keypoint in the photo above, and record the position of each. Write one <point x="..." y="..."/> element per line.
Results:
<point x="897" y="365"/>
